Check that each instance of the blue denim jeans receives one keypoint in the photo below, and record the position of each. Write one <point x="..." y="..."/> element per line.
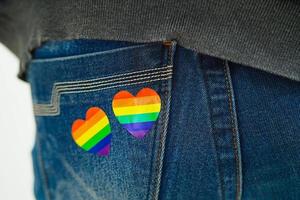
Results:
<point x="224" y="131"/>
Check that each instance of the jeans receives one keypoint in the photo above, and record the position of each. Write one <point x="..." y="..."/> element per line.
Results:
<point x="224" y="130"/>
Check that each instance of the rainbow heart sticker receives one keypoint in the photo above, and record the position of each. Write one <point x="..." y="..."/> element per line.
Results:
<point x="93" y="134"/>
<point x="137" y="113"/>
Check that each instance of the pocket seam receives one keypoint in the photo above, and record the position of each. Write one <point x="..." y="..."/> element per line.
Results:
<point x="59" y="88"/>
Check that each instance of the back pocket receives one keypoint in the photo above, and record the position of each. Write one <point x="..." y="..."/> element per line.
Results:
<point x="65" y="88"/>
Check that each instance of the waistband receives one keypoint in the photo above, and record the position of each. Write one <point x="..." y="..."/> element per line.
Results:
<point x="259" y="34"/>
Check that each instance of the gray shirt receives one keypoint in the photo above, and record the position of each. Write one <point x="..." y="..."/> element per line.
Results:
<point x="263" y="34"/>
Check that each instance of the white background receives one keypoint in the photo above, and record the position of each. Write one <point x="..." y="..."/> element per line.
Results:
<point x="17" y="131"/>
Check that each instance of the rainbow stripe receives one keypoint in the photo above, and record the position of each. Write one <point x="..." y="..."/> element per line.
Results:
<point x="93" y="134"/>
<point x="137" y="113"/>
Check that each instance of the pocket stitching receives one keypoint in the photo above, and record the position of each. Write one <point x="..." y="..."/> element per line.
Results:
<point x="53" y="108"/>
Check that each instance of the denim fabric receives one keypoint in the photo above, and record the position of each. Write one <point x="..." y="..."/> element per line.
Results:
<point x="268" y="110"/>
<point x="225" y="131"/>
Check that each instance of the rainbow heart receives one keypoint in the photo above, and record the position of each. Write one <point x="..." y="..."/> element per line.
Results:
<point x="137" y="113"/>
<point x="93" y="134"/>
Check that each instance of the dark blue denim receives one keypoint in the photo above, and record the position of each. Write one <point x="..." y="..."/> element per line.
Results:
<point x="225" y="131"/>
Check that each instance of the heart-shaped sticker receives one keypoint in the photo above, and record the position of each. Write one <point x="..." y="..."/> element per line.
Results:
<point x="93" y="133"/>
<point x="137" y="113"/>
